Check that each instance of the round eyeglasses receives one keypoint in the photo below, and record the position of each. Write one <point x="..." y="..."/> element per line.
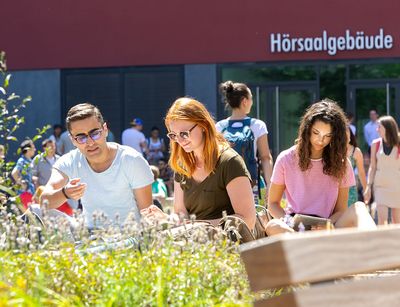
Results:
<point x="184" y="135"/>
<point x="83" y="138"/>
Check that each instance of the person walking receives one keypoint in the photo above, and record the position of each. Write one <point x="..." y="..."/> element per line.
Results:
<point x="383" y="173"/>
<point x="238" y="97"/>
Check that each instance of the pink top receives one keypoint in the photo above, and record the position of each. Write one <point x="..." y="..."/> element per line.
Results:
<point x="309" y="192"/>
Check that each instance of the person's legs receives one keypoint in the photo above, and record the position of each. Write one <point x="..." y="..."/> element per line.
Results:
<point x="396" y="215"/>
<point x="277" y="226"/>
<point x="382" y="214"/>
<point x="356" y="215"/>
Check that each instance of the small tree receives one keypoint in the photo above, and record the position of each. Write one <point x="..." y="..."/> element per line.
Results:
<point x="10" y="121"/>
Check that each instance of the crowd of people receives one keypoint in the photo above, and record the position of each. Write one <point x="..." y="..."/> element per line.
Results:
<point x="212" y="169"/>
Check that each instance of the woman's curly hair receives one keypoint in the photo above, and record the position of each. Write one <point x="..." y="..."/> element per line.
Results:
<point x="334" y="156"/>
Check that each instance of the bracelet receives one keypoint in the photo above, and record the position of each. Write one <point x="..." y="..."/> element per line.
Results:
<point x="65" y="194"/>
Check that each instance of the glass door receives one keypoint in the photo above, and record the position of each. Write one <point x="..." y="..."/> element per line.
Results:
<point x="366" y="96"/>
<point x="281" y="107"/>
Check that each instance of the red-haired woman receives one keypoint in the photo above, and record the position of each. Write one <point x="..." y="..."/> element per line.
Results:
<point x="210" y="177"/>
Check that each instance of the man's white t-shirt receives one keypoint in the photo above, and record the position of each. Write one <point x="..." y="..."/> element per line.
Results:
<point x="133" y="138"/>
<point x="110" y="191"/>
<point x="258" y="127"/>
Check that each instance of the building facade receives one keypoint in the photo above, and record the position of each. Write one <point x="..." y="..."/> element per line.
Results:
<point x="134" y="58"/>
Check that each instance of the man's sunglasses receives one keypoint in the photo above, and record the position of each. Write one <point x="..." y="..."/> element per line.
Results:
<point x="184" y="135"/>
<point x="83" y="138"/>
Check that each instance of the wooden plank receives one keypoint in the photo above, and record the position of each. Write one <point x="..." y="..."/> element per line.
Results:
<point x="319" y="255"/>
<point x="379" y="292"/>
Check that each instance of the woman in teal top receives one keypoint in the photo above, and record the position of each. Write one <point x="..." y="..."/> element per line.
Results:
<point x="357" y="161"/>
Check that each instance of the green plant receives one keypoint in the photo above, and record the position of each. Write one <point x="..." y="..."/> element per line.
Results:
<point x="165" y="271"/>
<point x="10" y="120"/>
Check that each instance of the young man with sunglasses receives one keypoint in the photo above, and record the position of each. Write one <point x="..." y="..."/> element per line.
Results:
<point x="106" y="177"/>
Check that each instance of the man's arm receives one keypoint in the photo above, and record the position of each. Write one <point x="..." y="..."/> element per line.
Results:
<point x="58" y="189"/>
<point x="143" y="197"/>
<point x="53" y="190"/>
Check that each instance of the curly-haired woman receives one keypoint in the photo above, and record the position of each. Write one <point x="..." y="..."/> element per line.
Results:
<point x="315" y="174"/>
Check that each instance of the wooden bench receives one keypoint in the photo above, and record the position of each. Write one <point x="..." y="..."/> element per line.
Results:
<point x="343" y="267"/>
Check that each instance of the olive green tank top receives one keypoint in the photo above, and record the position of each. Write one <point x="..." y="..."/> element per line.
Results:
<point x="209" y="199"/>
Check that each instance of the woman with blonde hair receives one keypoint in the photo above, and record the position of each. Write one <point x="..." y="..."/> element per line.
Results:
<point x="384" y="170"/>
<point x="210" y="177"/>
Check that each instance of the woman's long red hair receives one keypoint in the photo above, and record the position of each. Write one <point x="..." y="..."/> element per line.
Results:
<point x="194" y="111"/>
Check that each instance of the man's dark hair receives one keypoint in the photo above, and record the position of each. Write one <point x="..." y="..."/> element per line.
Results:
<point x="82" y="111"/>
<point x="26" y="145"/>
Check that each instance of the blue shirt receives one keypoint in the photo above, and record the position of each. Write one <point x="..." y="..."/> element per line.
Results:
<point x="371" y="132"/>
<point x="24" y="167"/>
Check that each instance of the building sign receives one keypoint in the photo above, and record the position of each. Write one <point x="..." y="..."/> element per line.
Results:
<point x="285" y="43"/>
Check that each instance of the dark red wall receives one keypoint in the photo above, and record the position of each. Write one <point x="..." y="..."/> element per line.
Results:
<point x="99" y="33"/>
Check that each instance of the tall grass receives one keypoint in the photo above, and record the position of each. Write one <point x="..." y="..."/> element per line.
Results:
<point x="189" y="270"/>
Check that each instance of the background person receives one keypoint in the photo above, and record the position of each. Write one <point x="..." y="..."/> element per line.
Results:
<point x="315" y="174"/>
<point x="383" y="173"/>
<point x="210" y="177"/>
<point x="134" y="136"/>
<point x="357" y="162"/>
<point x="371" y="129"/>
<point x="42" y="166"/>
<point x="155" y="147"/>
<point x="239" y="98"/>
<point x="107" y="177"/>
<point x="22" y="171"/>
<point x="66" y="144"/>
<point x="56" y="138"/>
<point x="167" y="175"/>
<point x="350" y="118"/>
<point x="158" y="187"/>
